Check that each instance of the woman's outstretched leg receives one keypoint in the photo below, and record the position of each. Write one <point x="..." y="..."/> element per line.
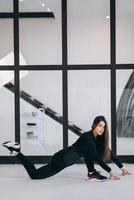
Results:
<point x="40" y="173"/>
<point x="59" y="161"/>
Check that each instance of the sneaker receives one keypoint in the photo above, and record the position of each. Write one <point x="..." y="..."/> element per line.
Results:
<point x="96" y="175"/>
<point x="13" y="147"/>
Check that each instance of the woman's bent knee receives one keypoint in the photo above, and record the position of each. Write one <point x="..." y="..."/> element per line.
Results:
<point x="34" y="176"/>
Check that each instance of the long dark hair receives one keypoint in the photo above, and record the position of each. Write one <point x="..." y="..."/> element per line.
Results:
<point x="103" y="140"/>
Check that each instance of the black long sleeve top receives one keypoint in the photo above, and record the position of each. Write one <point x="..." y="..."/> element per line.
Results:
<point x="84" y="142"/>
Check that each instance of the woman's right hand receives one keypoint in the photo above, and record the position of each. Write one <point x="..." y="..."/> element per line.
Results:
<point x="113" y="177"/>
<point x="125" y="171"/>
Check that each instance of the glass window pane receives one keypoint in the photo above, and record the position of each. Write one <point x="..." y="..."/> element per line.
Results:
<point x="6" y="6"/>
<point x="7" y="120"/>
<point x="124" y="31"/>
<point x="6" y="42"/>
<point x="72" y="137"/>
<point x="41" y="111"/>
<point x="125" y="112"/>
<point x="42" y="35"/>
<point x="88" y="97"/>
<point x="88" y="32"/>
<point x="40" y="6"/>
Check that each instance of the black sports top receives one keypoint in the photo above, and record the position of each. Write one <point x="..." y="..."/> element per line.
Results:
<point x="84" y="142"/>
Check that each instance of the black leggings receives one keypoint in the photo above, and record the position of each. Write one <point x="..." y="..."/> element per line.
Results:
<point x="59" y="161"/>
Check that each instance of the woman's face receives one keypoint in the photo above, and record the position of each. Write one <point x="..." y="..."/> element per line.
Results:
<point x="99" y="129"/>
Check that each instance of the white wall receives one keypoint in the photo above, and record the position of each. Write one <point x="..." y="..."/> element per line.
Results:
<point x="47" y="135"/>
<point x="40" y="41"/>
<point x="6" y="38"/>
<point x="89" y="96"/>
<point x="45" y="86"/>
<point x="88" y="41"/>
<point x="125" y="40"/>
<point x="7" y="122"/>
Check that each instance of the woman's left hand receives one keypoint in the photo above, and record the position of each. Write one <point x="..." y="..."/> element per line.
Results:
<point x="125" y="171"/>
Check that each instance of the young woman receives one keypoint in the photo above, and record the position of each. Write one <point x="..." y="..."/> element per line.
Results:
<point x="92" y="146"/>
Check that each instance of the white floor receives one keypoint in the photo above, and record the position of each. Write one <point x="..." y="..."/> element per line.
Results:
<point x="70" y="184"/>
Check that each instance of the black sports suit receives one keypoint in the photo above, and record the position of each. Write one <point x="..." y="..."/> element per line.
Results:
<point x="87" y="146"/>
